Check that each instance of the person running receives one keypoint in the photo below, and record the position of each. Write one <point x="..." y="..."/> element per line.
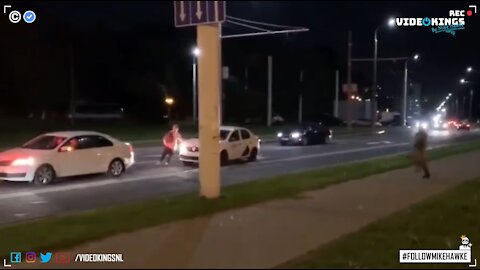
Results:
<point x="419" y="152"/>
<point x="170" y="143"/>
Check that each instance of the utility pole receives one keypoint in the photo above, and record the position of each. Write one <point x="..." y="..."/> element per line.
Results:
<point x="300" y="99"/>
<point x="269" y="99"/>
<point x="349" y="80"/>
<point x="456" y="106"/>
<point x="471" y="105"/>
<point x="335" y="106"/>
<point x="374" y="83"/>
<point x="194" y="83"/>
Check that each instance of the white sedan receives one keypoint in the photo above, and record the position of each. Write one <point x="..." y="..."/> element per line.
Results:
<point x="236" y="143"/>
<point x="63" y="154"/>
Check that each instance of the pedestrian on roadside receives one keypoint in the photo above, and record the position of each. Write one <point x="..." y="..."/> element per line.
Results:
<point x="419" y="155"/>
<point x="171" y="141"/>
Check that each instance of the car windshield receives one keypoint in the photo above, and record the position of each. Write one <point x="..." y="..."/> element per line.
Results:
<point x="45" y="142"/>
<point x="224" y="134"/>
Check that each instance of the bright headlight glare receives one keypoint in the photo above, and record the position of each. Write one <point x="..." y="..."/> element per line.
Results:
<point x="295" y="135"/>
<point x="280" y="134"/>
<point x="23" y="162"/>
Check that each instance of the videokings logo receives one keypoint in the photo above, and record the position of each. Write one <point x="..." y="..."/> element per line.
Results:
<point x="451" y="24"/>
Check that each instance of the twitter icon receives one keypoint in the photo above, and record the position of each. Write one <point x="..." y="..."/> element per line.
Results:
<point x="45" y="258"/>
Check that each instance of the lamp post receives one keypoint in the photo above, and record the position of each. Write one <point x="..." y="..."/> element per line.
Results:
<point x="405" y="90"/>
<point x="463" y="81"/>
<point x="169" y="101"/>
<point x="196" y="54"/>
<point x="391" y="23"/>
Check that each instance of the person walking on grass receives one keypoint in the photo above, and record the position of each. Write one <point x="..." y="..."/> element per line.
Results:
<point x="419" y="156"/>
<point x="170" y="143"/>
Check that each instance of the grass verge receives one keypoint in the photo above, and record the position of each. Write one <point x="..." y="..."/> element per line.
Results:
<point x="436" y="223"/>
<point x="66" y="231"/>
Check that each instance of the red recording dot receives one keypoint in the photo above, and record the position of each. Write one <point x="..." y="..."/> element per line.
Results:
<point x="469" y="13"/>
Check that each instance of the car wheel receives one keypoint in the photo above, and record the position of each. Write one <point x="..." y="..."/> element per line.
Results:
<point x="223" y="157"/>
<point x="116" y="168"/>
<point x="44" y="175"/>
<point x="253" y="155"/>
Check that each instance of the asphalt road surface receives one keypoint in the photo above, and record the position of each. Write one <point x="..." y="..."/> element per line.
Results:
<point x="24" y="201"/>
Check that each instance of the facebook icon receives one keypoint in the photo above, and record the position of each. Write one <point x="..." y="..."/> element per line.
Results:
<point x="15" y="257"/>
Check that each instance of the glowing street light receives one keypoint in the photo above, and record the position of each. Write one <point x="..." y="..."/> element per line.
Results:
<point x="196" y="52"/>
<point x="391" y="22"/>
<point x="416" y="56"/>
<point x="469" y="69"/>
<point x="462" y="80"/>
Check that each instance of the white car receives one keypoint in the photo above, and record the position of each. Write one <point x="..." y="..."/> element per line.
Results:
<point x="235" y="143"/>
<point x="64" y="154"/>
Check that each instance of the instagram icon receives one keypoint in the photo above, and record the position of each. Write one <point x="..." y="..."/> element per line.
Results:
<point x="30" y="257"/>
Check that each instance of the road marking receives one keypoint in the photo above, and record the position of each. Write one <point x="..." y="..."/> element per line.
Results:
<point x="38" y="202"/>
<point x="106" y="182"/>
<point x="20" y="215"/>
<point x="379" y="142"/>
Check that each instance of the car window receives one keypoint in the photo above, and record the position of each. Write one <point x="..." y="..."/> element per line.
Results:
<point x="224" y="134"/>
<point x="235" y="136"/>
<point x="82" y="142"/>
<point x="99" y="141"/>
<point x="245" y="134"/>
<point x="44" y="142"/>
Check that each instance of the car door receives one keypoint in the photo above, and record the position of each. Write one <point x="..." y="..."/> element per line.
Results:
<point x="319" y="131"/>
<point x="309" y="132"/>
<point x="235" y="145"/>
<point x="246" y="142"/>
<point x="76" y="157"/>
<point x="104" y="152"/>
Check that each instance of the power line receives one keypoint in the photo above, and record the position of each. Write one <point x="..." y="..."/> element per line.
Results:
<point x="262" y="23"/>
<point x="248" y="26"/>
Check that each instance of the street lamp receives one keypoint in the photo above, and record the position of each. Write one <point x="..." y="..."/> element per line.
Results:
<point x="196" y="53"/>
<point x="469" y="69"/>
<point x="462" y="81"/>
<point x="405" y="89"/>
<point x="391" y="23"/>
<point x="169" y="101"/>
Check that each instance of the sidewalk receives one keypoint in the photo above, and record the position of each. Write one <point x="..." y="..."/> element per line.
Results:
<point x="271" y="233"/>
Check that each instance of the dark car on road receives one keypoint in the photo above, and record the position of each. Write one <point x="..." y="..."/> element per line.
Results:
<point x="305" y="134"/>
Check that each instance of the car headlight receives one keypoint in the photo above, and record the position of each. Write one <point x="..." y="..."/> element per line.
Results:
<point x="417" y="124"/>
<point x="424" y="125"/>
<point x="23" y="162"/>
<point x="280" y="134"/>
<point x="445" y="125"/>
<point x="295" y="135"/>
<point x="182" y="147"/>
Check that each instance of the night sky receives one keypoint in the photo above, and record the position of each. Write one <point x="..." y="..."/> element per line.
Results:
<point x="444" y="57"/>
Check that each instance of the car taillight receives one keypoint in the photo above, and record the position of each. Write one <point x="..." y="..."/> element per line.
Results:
<point x="130" y="148"/>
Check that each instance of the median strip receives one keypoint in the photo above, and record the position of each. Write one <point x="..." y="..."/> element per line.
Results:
<point x="66" y="231"/>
